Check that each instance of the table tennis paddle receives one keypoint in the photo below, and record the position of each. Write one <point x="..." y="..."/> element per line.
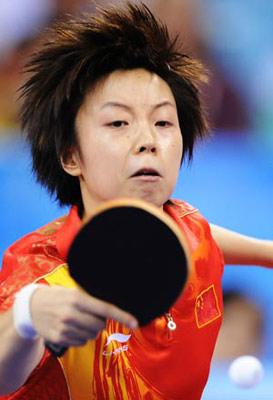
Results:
<point x="133" y="255"/>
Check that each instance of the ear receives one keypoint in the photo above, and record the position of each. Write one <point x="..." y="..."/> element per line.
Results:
<point x="70" y="161"/>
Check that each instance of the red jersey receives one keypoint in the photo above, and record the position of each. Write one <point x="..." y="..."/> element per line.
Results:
<point x="151" y="363"/>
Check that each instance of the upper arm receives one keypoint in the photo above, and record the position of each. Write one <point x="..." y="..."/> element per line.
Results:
<point x="242" y="249"/>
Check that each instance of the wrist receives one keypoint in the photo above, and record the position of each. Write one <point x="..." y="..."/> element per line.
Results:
<point x="22" y="319"/>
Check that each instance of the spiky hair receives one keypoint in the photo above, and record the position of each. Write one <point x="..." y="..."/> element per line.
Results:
<point x="78" y="52"/>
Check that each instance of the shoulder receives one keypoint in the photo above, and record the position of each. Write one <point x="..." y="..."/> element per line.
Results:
<point x="36" y="242"/>
<point x="197" y="231"/>
<point x="182" y="207"/>
<point x="188" y="218"/>
<point x="181" y="211"/>
<point x="28" y="260"/>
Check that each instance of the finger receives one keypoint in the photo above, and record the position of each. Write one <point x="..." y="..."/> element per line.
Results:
<point x="111" y="311"/>
<point x="78" y="338"/>
<point x="84" y="322"/>
<point x="91" y="305"/>
<point x="71" y="336"/>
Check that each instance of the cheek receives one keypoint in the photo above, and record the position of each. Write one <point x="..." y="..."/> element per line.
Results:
<point x="174" y="162"/>
<point x="102" y="167"/>
<point x="175" y="153"/>
<point x="95" y="154"/>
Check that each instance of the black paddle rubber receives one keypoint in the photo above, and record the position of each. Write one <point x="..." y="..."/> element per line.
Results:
<point x="127" y="256"/>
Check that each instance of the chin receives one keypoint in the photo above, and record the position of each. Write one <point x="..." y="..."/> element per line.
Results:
<point x="154" y="199"/>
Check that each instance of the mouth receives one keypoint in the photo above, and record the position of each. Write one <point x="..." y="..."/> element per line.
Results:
<point x="148" y="172"/>
<point x="147" y="176"/>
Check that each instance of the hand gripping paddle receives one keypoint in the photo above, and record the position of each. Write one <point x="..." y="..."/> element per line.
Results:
<point x="133" y="255"/>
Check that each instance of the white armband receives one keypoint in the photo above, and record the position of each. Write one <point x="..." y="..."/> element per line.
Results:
<point x="21" y="312"/>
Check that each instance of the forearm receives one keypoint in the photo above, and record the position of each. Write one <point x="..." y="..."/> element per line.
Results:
<point x="16" y="351"/>
<point x="241" y="249"/>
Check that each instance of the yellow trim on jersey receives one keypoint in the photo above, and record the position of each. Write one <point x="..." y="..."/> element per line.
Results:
<point x="77" y="363"/>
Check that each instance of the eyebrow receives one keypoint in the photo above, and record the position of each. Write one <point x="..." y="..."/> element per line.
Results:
<point x="128" y="108"/>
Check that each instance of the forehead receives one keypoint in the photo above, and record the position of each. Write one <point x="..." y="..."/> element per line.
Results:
<point x="137" y="87"/>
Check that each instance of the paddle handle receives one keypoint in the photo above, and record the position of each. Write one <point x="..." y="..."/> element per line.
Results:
<point x="55" y="349"/>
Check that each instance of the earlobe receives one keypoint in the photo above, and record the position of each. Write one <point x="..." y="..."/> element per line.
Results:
<point x="70" y="162"/>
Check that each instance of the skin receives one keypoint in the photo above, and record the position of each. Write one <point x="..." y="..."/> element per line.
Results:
<point x="127" y="122"/>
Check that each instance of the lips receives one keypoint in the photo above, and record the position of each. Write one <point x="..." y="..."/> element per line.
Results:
<point x="146" y="172"/>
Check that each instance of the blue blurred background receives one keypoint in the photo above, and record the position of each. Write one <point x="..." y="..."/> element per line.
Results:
<point x="231" y="177"/>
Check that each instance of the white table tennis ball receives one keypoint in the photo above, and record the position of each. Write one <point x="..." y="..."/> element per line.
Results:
<point x="246" y="371"/>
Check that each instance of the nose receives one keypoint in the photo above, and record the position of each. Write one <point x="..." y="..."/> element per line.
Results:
<point x="146" y="142"/>
<point x="149" y="148"/>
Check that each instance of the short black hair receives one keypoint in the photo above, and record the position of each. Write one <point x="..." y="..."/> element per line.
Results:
<point x="74" y="55"/>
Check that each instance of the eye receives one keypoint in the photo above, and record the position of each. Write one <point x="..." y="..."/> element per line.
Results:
<point x="163" y="124"/>
<point x="117" y="124"/>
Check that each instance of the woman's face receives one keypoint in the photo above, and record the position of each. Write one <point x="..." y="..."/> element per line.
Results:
<point x="129" y="140"/>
